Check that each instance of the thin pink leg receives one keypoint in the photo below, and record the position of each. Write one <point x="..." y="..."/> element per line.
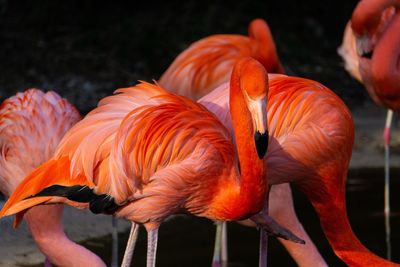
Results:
<point x="386" y="139"/>
<point x="220" y="257"/>
<point x="130" y="246"/>
<point x="114" y="243"/>
<point x="262" y="262"/>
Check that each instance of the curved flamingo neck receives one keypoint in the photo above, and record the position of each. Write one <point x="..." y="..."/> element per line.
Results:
<point x="265" y="50"/>
<point x="343" y="240"/>
<point x="46" y="227"/>
<point x="385" y="64"/>
<point x="367" y="15"/>
<point x="253" y="181"/>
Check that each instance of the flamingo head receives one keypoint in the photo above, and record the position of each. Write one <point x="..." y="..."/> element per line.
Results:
<point x="254" y="85"/>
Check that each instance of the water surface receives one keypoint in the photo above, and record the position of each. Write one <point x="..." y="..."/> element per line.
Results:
<point x="188" y="241"/>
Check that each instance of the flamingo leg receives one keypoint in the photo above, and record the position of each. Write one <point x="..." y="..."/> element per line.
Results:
<point x="130" y="246"/>
<point x="386" y="138"/>
<point x="114" y="243"/>
<point x="220" y="257"/>
<point x="262" y="261"/>
<point x="216" y="262"/>
<point x="263" y="253"/>
<point x="224" y="244"/>
<point x="152" y="238"/>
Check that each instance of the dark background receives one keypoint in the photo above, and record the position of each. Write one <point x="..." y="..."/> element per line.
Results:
<point x="84" y="50"/>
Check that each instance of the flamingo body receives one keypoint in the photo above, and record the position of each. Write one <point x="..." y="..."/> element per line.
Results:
<point x="89" y="145"/>
<point x="311" y="138"/>
<point x="208" y="63"/>
<point x="31" y="126"/>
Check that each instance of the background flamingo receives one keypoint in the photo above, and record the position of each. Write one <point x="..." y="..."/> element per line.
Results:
<point x="31" y="125"/>
<point x="371" y="51"/>
<point x="208" y="63"/>
<point x="145" y="154"/>
<point x="205" y="65"/>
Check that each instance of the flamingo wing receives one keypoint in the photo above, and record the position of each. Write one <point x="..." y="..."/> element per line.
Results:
<point x="115" y="153"/>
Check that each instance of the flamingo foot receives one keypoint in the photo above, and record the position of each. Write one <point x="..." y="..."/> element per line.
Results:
<point x="273" y="228"/>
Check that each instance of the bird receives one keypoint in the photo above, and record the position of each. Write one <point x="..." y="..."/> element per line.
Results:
<point x="310" y="145"/>
<point x="31" y="125"/>
<point x="144" y="154"/>
<point x="208" y="63"/>
<point x="321" y="174"/>
<point x="371" y="52"/>
<point x="205" y="65"/>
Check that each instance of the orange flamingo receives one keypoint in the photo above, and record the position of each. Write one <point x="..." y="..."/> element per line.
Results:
<point x="371" y="51"/>
<point x="208" y="63"/>
<point x="145" y="154"/>
<point x="309" y="126"/>
<point x="311" y="137"/>
<point x="31" y="125"/>
<point x="205" y="65"/>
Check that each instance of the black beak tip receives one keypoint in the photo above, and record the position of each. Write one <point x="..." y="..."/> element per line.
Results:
<point x="261" y="140"/>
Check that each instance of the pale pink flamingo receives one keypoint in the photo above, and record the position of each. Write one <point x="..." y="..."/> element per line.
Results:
<point x="31" y="126"/>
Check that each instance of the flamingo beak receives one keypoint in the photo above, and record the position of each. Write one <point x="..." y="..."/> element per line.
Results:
<point x="364" y="47"/>
<point x="259" y="114"/>
<point x="261" y="140"/>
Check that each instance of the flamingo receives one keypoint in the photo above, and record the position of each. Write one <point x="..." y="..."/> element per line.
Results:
<point x="371" y="51"/>
<point x="311" y="138"/>
<point x="31" y="125"/>
<point x="205" y="65"/>
<point x="303" y="109"/>
<point x="145" y="154"/>
<point x="208" y="63"/>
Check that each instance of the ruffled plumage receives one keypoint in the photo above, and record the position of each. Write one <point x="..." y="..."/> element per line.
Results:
<point x="130" y="145"/>
<point x="31" y="126"/>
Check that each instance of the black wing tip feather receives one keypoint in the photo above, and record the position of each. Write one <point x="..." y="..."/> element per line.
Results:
<point x="97" y="203"/>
